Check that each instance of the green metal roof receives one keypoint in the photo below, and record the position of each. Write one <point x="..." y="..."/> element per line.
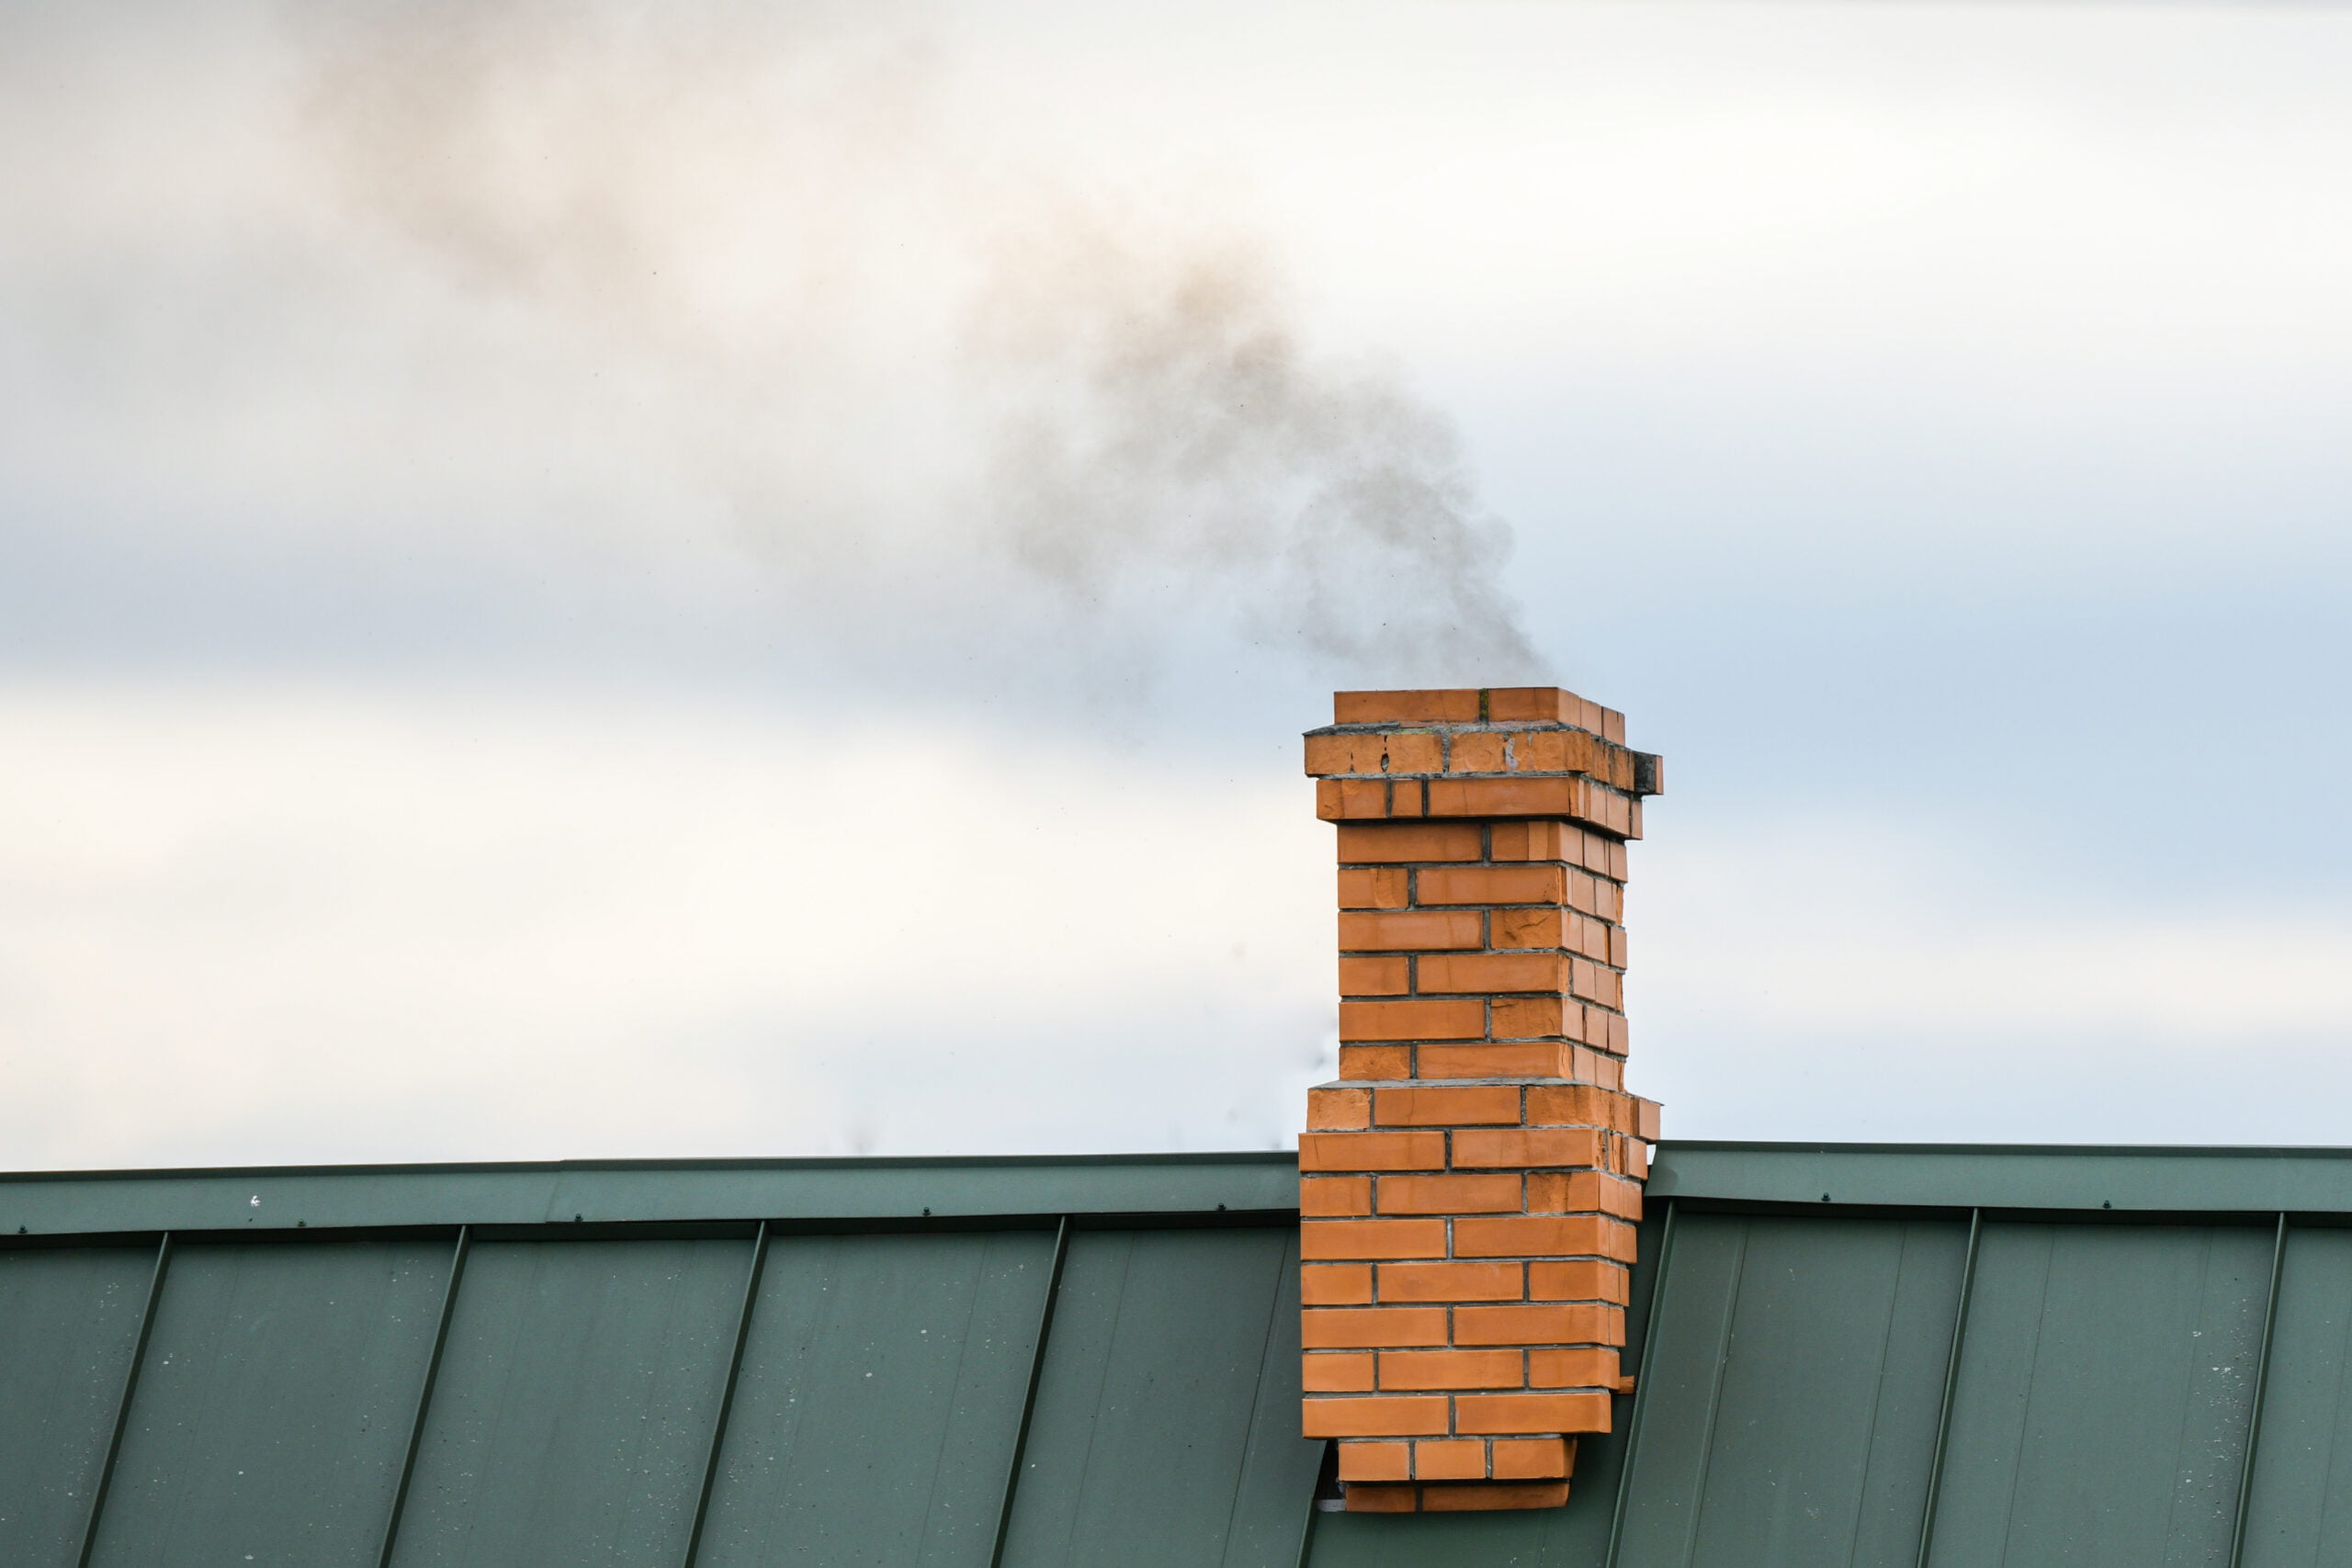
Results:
<point x="1848" y="1355"/>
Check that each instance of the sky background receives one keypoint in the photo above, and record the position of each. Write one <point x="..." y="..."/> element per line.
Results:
<point x="734" y="580"/>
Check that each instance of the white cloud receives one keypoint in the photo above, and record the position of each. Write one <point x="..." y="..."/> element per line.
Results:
<point x="275" y="923"/>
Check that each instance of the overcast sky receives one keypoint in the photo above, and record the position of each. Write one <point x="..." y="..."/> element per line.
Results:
<point x="725" y="580"/>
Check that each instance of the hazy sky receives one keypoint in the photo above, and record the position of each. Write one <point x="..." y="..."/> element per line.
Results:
<point x="743" y="579"/>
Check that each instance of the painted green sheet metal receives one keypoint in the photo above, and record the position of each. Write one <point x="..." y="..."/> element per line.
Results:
<point x="2105" y="1388"/>
<point x="2083" y="1179"/>
<point x="1793" y="1397"/>
<point x="68" y="1317"/>
<point x="46" y="1204"/>
<point x="273" y="1407"/>
<point x="2299" y="1507"/>
<point x="575" y="1403"/>
<point x="1962" y="1358"/>
<point x="879" y="1399"/>
<point x="1166" y="1426"/>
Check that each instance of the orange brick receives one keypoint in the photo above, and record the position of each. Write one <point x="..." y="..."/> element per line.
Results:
<point x="1608" y="899"/>
<point x="1450" y="1281"/>
<point x="1384" y="1416"/>
<point x="1500" y="1412"/>
<point x="1364" y="1499"/>
<point x="1338" y="1108"/>
<point x="1557" y="752"/>
<point x="1638" y="1159"/>
<point x="1449" y="1020"/>
<point x="1486" y="883"/>
<point x="1343" y="752"/>
<point x="1362" y="1062"/>
<point x="1450" y="1459"/>
<point x="1578" y="1105"/>
<point x="1374" y="977"/>
<point x="1327" y="1239"/>
<point x="1583" y="1366"/>
<point x="1581" y="892"/>
<point x="1475" y="751"/>
<point x="1445" y="707"/>
<point x="1372" y="887"/>
<point x="1442" y="973"/>
<point x="1363" y="1328"/>
<point x="1326" y="1197"/>
<point x="1530" y="840"/>
<point x="1370" y="1150"/>
<point x="1450" y="1194"/>
<point x="1397" y="843"/>
<point x="1583" y="1193"/>
<point x="1580" y="1280"/>
<point x="1512" y="795"/>
<point x="1411" y="931"/>
<point x="1445" y="1106"/>
<point x="1335" y="1284"/>
<point x="1543" y="705"/>
<point x="1539" y="927"/>
<point x="1531" y="1017"/>
<point x="1406" y="798"/>
<point x="1522" y="1150"/>
<point x="1615" y="938"/>
<point x="1486" y="1496"/>
<point x="1568" y="1322"/>
<point x="1646" y="1113"/>
<point x="1596" y="984"/>
<point x="1375" y="1462"/>
<point x="1534" y="1459"/>
<point x="1493" y="1059"/>
<point x="1451" y="1368"/>
<point x="1577" y="1235"/>
<point x="1340" y="1372"/>
<point x="1516" y="1236"/>
<point x="1416" y="752"/>
<point x="1588" y="936"/>
<point x="1351" y="799"/>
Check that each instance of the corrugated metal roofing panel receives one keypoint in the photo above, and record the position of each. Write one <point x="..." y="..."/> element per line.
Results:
<point x="1793" y="1397"/>
<point x="2300" y="1509"/>
<point x="1792" y="1406"/>
<point x="879" y="1398"/>
<point x="273" y="1406"/>
<point x="573" y="1415"/>
<point x="68" y="1317"/>
<point x="1166" y="1423"/>
<point x="2105" y="1384"/>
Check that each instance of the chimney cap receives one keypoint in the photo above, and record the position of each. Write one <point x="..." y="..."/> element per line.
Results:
<point x="1479" y="704"/>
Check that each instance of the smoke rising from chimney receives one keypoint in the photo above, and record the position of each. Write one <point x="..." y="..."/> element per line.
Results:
<point x="893" y="342"/>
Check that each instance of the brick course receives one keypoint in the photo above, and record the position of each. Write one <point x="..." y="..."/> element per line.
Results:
<point x="1471" y="1184"/>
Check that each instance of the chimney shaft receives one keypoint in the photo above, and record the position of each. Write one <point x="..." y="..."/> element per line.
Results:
<point x="1469" y="1186"/>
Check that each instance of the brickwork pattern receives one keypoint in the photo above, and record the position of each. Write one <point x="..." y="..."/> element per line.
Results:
<point x="1469" y="1186"/>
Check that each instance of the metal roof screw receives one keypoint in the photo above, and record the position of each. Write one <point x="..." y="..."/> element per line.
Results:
<point x="1824" y="1197"/>
<point x="2109" y="1205"/>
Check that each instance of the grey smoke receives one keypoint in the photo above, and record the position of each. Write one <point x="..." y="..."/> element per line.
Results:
<point x="1100" y="397"/>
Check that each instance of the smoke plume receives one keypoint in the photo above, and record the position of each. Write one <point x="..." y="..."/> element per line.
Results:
<point x="888" y="339"/>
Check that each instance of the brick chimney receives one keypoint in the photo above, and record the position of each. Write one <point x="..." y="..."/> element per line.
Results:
<point x="1469" y="1186"/>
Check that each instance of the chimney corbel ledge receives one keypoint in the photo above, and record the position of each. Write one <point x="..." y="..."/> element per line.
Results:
<point x="1469" y="1186"/>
